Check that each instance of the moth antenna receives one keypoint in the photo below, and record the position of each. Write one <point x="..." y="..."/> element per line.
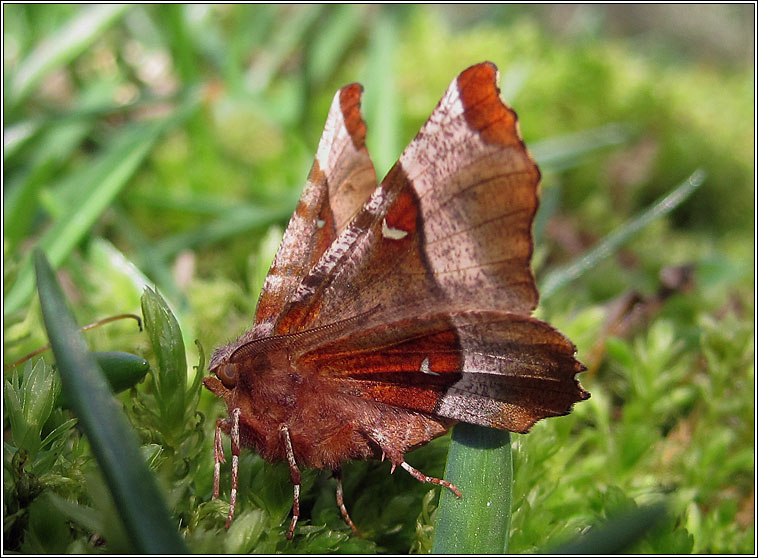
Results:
<point x="113" y="319"/>
<point x="235" y="435"/>
<point x="418" y="475"/>
<point x="294" y="476"/>
<point x="83" y="328"/>
<point x="218" y="457"/>
<point x="337" y="474"/>
<point x="308" y="336"/>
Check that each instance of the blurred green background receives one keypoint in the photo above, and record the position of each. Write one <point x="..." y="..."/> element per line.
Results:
<point x="167" y="145"/>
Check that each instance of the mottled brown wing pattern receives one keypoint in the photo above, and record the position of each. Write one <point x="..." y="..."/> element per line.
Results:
<point x="453" y="217"/>
<point x="494" y="369"/>
<point x="341" y="179"/>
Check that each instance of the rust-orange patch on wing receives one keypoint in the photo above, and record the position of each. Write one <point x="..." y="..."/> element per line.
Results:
<point x="484" y="111"/>
<point x="404" y="213"/>
<point x="350" y="104"/>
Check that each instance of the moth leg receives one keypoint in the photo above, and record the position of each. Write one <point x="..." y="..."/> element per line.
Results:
<point x="337" y="474"/>
<point x="218" y="455"/>
<point x="418" y="475"/>
<point x="294" y="476"/>
<point x="235" y="436"/>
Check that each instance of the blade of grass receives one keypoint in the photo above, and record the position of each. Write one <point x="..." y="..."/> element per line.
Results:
<point x="617" y="534"/>
<point x="564" y="152"/>
<point x="480" y="464"/>
<point x="114" y="443"/>
<point x="182" y="48"/>
<point x="102" y="179"/>
<point x="294" y="22"/>
<point x="16" y="135"/>
<point x="201" y="204"/>
<point x="330" y="45"/>
<point x="56" y="142"/>
<point x="561" y="276"/>
<point x="380" y="100"/>
<point x="234" y="223"/>
<point x="62" y="47"/>
<point x="97" y="186"/>
<point x="122" y="274"/>
<point x="235" y="48"/>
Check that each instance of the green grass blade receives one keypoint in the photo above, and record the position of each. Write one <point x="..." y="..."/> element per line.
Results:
<point x="563" y="152"/>
<point x="617" y="534"/>
<point x="179" y="41"/>
<point x="62" y="47"/>
<point x="563" y="275"/>
<point x="480" y="464"/>
<point x="53" y="146"/>
<point x="97" y="187"/>
<point x="294" y="23"/>
<point x="114" y="443"/>
<point x="380" y="100"/>
<point x="236" y="222"/>
<point x="16" y="135"/>
<point x="340" y="29"/>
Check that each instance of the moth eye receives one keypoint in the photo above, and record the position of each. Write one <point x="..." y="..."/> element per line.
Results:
<point x="227" y="373"/>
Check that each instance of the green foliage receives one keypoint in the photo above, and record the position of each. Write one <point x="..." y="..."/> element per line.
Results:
<point x="29" y="405"/>
<point x="114" y="444"/>
<point x="166" y="146"/>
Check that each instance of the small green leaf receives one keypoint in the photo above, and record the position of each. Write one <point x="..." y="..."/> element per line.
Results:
<point x="114" y="443"/>
<point x="245" y="531"/>
<point x="166" y="338"/>
<point x="165" y="335"/>
<point x="29" y="403"/>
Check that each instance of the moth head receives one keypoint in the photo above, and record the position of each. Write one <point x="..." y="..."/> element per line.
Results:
<point x="228" y="363"/>
<point x="236" y="365"/>
<point x="227" y="373"/>
<point x="225" y="370"/>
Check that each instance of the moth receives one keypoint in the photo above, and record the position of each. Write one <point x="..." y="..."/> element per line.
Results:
<point x="393" y="311"/>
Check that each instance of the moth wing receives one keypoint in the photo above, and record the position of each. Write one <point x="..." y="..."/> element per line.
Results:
<point x="340" y="181"/>
<point x="494" y="369"/>
<point x="448" y="229"/>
